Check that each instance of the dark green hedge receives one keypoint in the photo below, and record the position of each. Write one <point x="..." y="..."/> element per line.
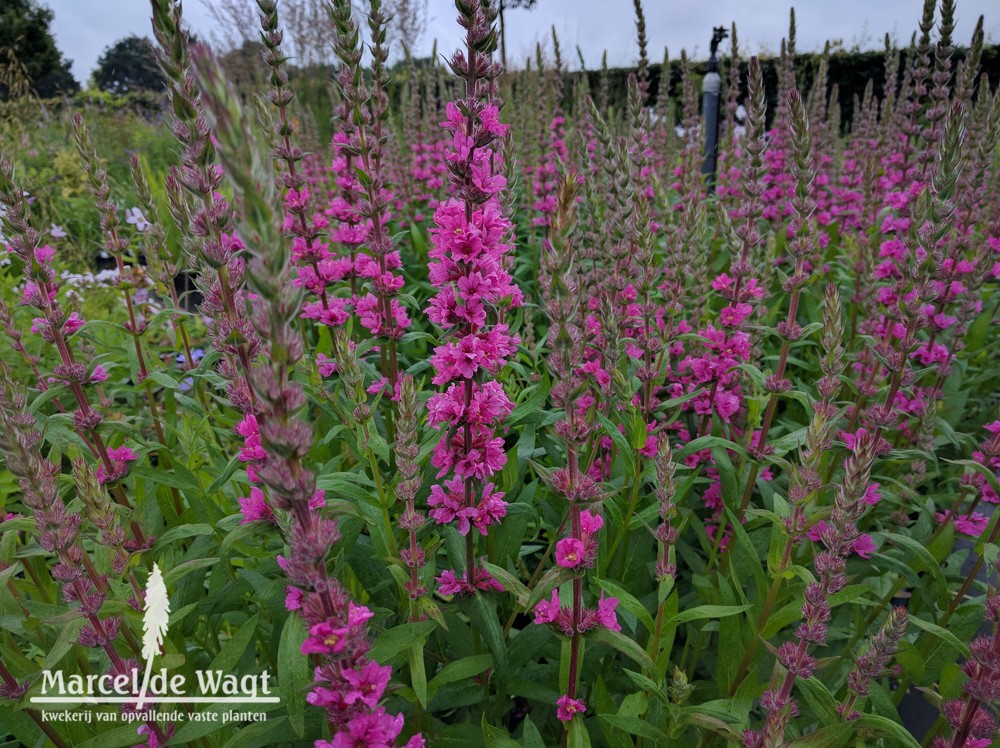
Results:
<point x="851" y="71"/>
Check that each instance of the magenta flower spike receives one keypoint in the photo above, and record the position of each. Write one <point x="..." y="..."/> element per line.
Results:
<point x="470" y="253"/>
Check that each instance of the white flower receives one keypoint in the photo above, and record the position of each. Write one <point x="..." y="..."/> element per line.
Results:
<point x="135" y="217"/>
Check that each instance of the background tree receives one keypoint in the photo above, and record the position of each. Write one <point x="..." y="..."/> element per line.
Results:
<point x="128" y="65"/>
<point x="27" y="42"/>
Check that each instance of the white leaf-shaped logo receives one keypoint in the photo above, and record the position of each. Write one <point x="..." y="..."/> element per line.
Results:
<point x="155" y="619"/>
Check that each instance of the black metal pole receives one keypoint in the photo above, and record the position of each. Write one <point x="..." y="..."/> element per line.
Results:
<point x="711" y="93"/>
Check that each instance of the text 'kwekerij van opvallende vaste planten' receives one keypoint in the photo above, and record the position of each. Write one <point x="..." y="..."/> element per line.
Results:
<point x="476" y="415"/>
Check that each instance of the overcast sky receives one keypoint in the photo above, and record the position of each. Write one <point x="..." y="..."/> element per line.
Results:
<point x="83" y="28"/>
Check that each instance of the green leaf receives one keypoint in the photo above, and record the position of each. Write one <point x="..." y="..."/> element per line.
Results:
<point x="459" y="670"/>
<point x="293" y="672"/>
<point x="115" y="738"/>
<point x="621" y="443"/>
<point x="624" y="644"/>
<point x="832" y="736"/>
<point x="636" y="726"/>
<point x="600" y="701"/>
<point x="578" y="735"/>
<point x="551" y="579"/>
<point x="629" y="603"/>
<point x="497" y="737"/>
<point x="178" y="572"/>
<point x="483" y="615"/>
<point x="418" y="675"/>
<point x="532" y="404"/>
<point x="531" y="737"/>
<point x="265" y="733"/>
<point x="184" y="531"/>
<point x="233" y="650"/>
<point x="510" y="583"/>
<point x="941" y="633"/>
<point x="703" y="719"/>
<point x="709" y="611"/>
<point x="393" y="641"/>
<point x="164" y="380"/>
<point x="888" y="728"/>
<point x="918" y="552"/>
<point x="819" y="696"/>
<point x="647" y="685"/>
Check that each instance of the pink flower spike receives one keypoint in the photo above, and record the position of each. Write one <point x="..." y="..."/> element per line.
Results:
<point x="318" y="500"/>
<point x="372" y="729"/>
<point x="327" y="366"/>
<point x="872" y="494"/>
<point x="72" y="324"/>
<point x="120" y="458"/>
<point x="325" y="639"/>
<point x="815" y="533"/>
<point x="490" y="117"/>
<point x="972" y="525"/>
<point x="449" y="584"/>
<point x="357" y="614"/>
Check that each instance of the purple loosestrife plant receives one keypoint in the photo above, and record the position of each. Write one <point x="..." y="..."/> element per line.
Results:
<point x="378" y="309"/>
<point x="59" y="532"/>
<point x="209" y="216"/>
<point x="970" y="716"/>
<point x="318" y="268"/>
<point x="793" y="658"/>
<point x="470" y="270"/>
<point x="798" y="368"/>
<point x="576" y="552"/>
<point x="347" y="683"/>
<point x="57" y="327"/>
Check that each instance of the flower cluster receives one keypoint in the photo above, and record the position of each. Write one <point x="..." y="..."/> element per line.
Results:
<point x="470" y="268"/>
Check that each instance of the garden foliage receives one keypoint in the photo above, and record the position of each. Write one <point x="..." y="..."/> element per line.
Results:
<point x="489" y="425"/>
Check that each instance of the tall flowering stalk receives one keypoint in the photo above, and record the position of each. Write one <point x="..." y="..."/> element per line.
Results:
<point x="804" y="480"/>
<point x="378" y="309"/>
<point x="59" y="532"/>
<point x="471" y="242"/>
<point x="545" y="175"/>
<point x="162" y="267"/>
<point x="802" y="247"/>
<point x="128" y="276"/>
<point x="209" y="216"/>
<point x="347" y="684"/>
<point x="970" y="715"/>
<point x="407" y="454"/>
<point x="793" y="658"/>
<point x="874" y="662"/>
<point x="56" y="327"/>
<point x="317" y="267"/>
<point x="572" y="393"/>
